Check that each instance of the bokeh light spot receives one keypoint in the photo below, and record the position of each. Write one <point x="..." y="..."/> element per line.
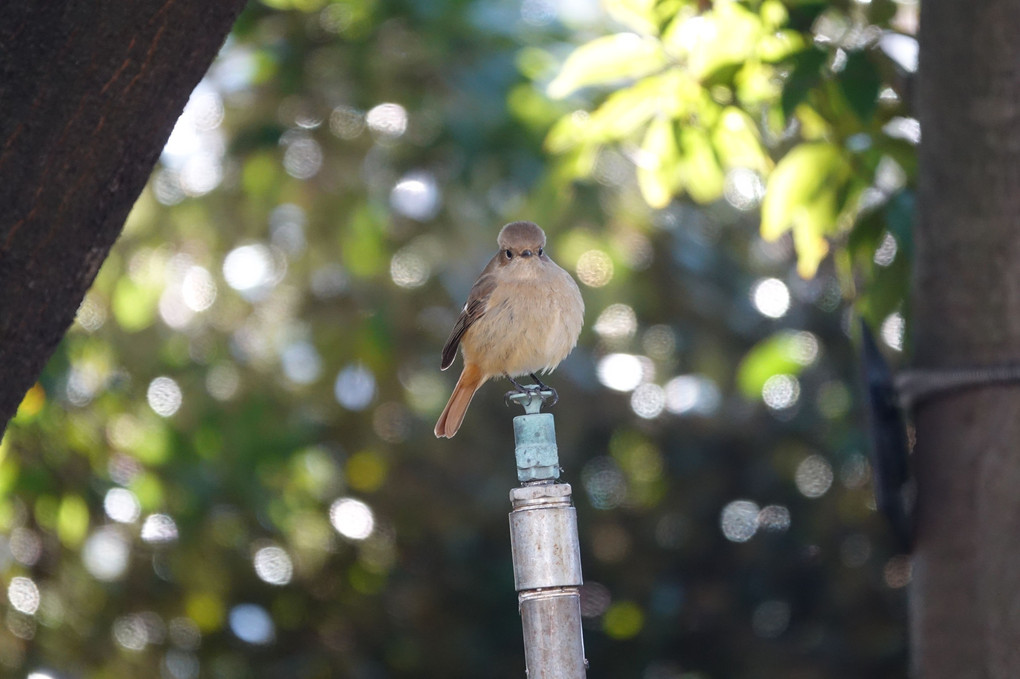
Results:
<point x="416" y="196"/>
<point x="771" y="297"/>
<point x="743" y="188"/>
<point x="121" y="505"/>
<point x="885" y="253"/>
<point x="181" y="664"/>
<point x="813" y="476"/>
<point x="184" y="633"/>
<point x="409" y="269"/>
<point x="164" y="396"/>
<point x="303" y="158"/>
<point x="249" y="268"/>
<point x="387" y="121"/>
<point x="617" y="321"/>
<point x="648" y="401"/>
<point x="198" y="290"/>
<point x="23" y="595"/>
<point x="594" y="268"/>
<point x="346" y="122"/>
<point x="354" y="387"/>
<point x="774" y="519"/>
<point x="739" y="520"/>
<point x="623" y="620"/>
<point x="621" y="372"/>
<point x="892" y="331"/>
<point x="897" y="571"/>
<point x="159" y="529"/>
<point x="301" y="362"/>
<point x="695" y="394"/>
<point x="25" y="546"/>
<point x="105" y="554"/>
<point x="273" y="565"/>
<point x="351" y="518"/>
<point x="251" y="624"/>
<point x="222" y="381"/>
<point x="781" y="392"/>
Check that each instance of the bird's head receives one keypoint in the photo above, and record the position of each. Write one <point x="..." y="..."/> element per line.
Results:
<point x="521" y="242"/>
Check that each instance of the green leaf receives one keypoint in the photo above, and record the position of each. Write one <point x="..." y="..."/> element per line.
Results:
<point x="637" y="15"/>
<point x="700" y="172"/>
<point x="781" y="354"/>
<point x="806" y="74"/>
<point x="656" y="173"/>
<point x="708" y="42"/>
<point x="803" y="13"/>
<point x="72" y="521"/>
<point x="607" y="60"/>
<point x="134" y="305"/>
<point x="860" y="83"/>
<point x="623" y="112"/>
<point x="738" y="143"/>
<point x="804" y="195"/>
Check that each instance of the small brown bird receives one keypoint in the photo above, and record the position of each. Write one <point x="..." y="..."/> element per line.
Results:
<point x="523" y="315"/>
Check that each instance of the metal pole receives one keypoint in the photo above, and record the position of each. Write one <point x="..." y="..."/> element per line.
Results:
<point x="546" y="552"/>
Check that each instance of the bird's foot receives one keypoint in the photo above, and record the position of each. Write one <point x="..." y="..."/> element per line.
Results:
<point x="525" y="394"/>
<point x="544" y="388"/>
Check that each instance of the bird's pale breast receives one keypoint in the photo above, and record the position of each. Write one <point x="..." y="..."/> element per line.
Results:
<point x="529" y="325"/>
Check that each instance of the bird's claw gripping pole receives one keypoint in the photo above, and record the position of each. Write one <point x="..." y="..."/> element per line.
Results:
<point x="531" y="397"/>
<point x="545" y="548"/>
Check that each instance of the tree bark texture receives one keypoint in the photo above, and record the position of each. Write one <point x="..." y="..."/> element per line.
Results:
<point x="89" y="93"/>
<point x="965" y="595"/>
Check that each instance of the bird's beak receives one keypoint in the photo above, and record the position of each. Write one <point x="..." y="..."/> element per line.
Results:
<point x="527" y="253"/>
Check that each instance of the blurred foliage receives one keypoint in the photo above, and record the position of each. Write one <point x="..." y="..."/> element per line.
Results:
<point x="228" y="470"/>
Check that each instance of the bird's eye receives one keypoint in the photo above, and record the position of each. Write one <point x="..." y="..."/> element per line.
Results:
<point x="540" y="251"/>
<point x="509" y="255"/>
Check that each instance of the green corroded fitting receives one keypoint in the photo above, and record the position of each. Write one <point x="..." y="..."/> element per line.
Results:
<point x="537" y="456"/>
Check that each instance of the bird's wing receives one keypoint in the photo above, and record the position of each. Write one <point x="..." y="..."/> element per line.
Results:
<point x="477" y="303"/>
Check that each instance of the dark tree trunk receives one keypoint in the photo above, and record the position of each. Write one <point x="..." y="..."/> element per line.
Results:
<point x="89" y="92"/>
<point x="965" y="596"/>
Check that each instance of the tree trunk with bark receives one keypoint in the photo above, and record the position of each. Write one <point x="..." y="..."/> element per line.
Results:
<point x="965" y="596"/>
<point x="89" y="92"/>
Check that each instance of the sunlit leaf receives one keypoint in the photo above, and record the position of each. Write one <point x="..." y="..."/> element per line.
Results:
<point x="149" y="490"/>
<point x="608" y="60"/>
<point x="727" y="35"/>
<point x="775" y="355"/>
<point x="700" y="172"/>
<point x="813" y="125"/>
<point x="31" y="404"/>
<point x="802" y="194"/>
<point x="738" y="143"/>
<point x="134" y="304"/>
<point x="637" y="15"/>
<point x="625" y="111"/>
<point x="72" y="521"/>
<point x="656" y="173"/>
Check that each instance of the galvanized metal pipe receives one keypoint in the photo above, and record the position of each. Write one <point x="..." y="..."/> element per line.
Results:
<point x="546" y="552"/>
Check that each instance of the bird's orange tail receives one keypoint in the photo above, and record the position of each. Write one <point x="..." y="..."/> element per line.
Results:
<point x="453" y="414"/>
